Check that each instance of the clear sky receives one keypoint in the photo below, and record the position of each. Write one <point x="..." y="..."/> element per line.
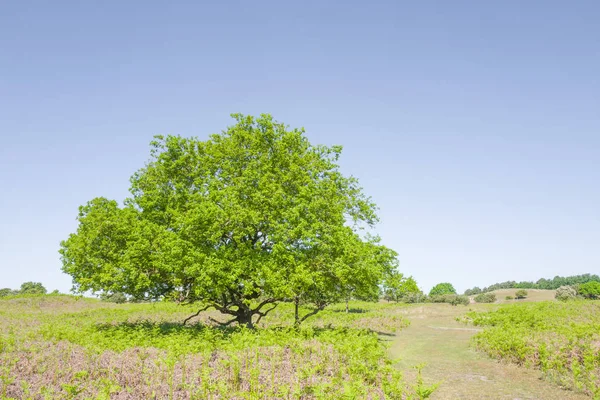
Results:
<point x="474" y="125"/>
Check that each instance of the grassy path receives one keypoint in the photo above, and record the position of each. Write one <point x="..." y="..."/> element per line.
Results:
<point x="435" y="338"/>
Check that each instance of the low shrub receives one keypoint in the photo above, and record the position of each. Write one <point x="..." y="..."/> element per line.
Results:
<point x="565" y="293"/>
<point x="462" y="300"/>
<point x="485" y="298"/>
<point x="521" y="294"/>
<point x="412" y="298"/>
<point x="590" y="290"/>
<point x="508" y="298"/>
<point x="450" y="299"/>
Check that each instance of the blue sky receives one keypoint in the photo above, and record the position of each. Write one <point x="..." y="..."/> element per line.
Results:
<point x="475" y="126"/>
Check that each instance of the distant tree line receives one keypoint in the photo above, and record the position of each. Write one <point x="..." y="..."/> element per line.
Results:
<point x="26" y="288"/>
<point x="548" y="284"/>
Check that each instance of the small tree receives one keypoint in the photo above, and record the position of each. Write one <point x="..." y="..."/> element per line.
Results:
<point x="442" y="288"/>
<point x="590" y="290"/>
<point x="396" y="287"/>
<point x="565" y="293"/>
<point x="32" y="288"/>
<point x="521" y="294"/>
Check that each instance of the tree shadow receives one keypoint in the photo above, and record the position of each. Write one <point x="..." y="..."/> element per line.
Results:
<point x="163" y="329"/>
<point x="350" y="310"/>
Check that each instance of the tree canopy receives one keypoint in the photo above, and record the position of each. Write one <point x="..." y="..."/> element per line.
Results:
<point x="250" y="217"/>
<point x="441" y="289"/>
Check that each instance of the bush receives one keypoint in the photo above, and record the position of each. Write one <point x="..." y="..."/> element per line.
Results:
<point x="565" y="293"/>
<point x="7" y="292"/>
<point x="441" y="298"/>
<point x="464" y="300"/>
<point x="118" y="298"/>
<point x="450" y="299"/>
<point x="485" y="298"/>
<point x="590" y="290"/>
<point x="414" y="298"/>
<point x="521" y="294"/>
<point x="442" y="288"/>
<point x="508" y="298"/>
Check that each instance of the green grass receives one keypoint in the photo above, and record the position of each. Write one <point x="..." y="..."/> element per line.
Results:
<point x="62" y="347"/>
<point x="533" y="295"/>
<point x="560" y="339"/>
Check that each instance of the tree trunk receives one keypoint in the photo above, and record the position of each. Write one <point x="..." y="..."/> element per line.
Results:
<point x="296" y="311"/>
<point x="245" y="318"/>
<point x="347" y="306"/>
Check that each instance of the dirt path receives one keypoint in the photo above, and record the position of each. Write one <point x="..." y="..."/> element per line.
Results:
<point x="435" y="338"/>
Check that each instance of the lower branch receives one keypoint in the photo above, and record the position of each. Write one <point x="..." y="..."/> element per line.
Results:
<point x="264" y="314"/>
<point x="195" y="315"/>
<point x="320" y="307"/>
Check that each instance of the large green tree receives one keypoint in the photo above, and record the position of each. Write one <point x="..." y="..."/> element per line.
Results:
<point x="250" y="217"/>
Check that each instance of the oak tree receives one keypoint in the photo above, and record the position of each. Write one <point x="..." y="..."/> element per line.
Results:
<point x="250" y="217"/>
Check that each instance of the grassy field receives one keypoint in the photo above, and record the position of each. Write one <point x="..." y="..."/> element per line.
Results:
<point x="61" y="347"/>
<point x="533" y="295"/>
<point x="560" y="339"/>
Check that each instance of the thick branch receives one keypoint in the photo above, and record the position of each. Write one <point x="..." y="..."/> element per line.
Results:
<point x="198" y="313"/>
<point x="264" y="303"/>
<point x="264" y="314"/>
<point x="320" y="307"/>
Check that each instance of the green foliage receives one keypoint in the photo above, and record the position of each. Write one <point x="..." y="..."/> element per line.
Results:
<point x="460" y="300"/>
<point x="589" y="290"/>
<point x="521" y="294"/>
<point x="452" y="299"/>
<point x="508" y="298"/>
<point x="472" y="292"/>
<point x="253" y="216"/>
<point x="117" y="297"/>
<point x="485" y="298"/>
<point x="565" y="293"/>
<point x="32" y="288"/>
<point x="416" y="297"/>
<point x="7" y="292"/>
<point x="441" y="289"/>
<point x="397" y="287"/>
<point x="68" y="348"/>
<point x="559" y="338"/>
